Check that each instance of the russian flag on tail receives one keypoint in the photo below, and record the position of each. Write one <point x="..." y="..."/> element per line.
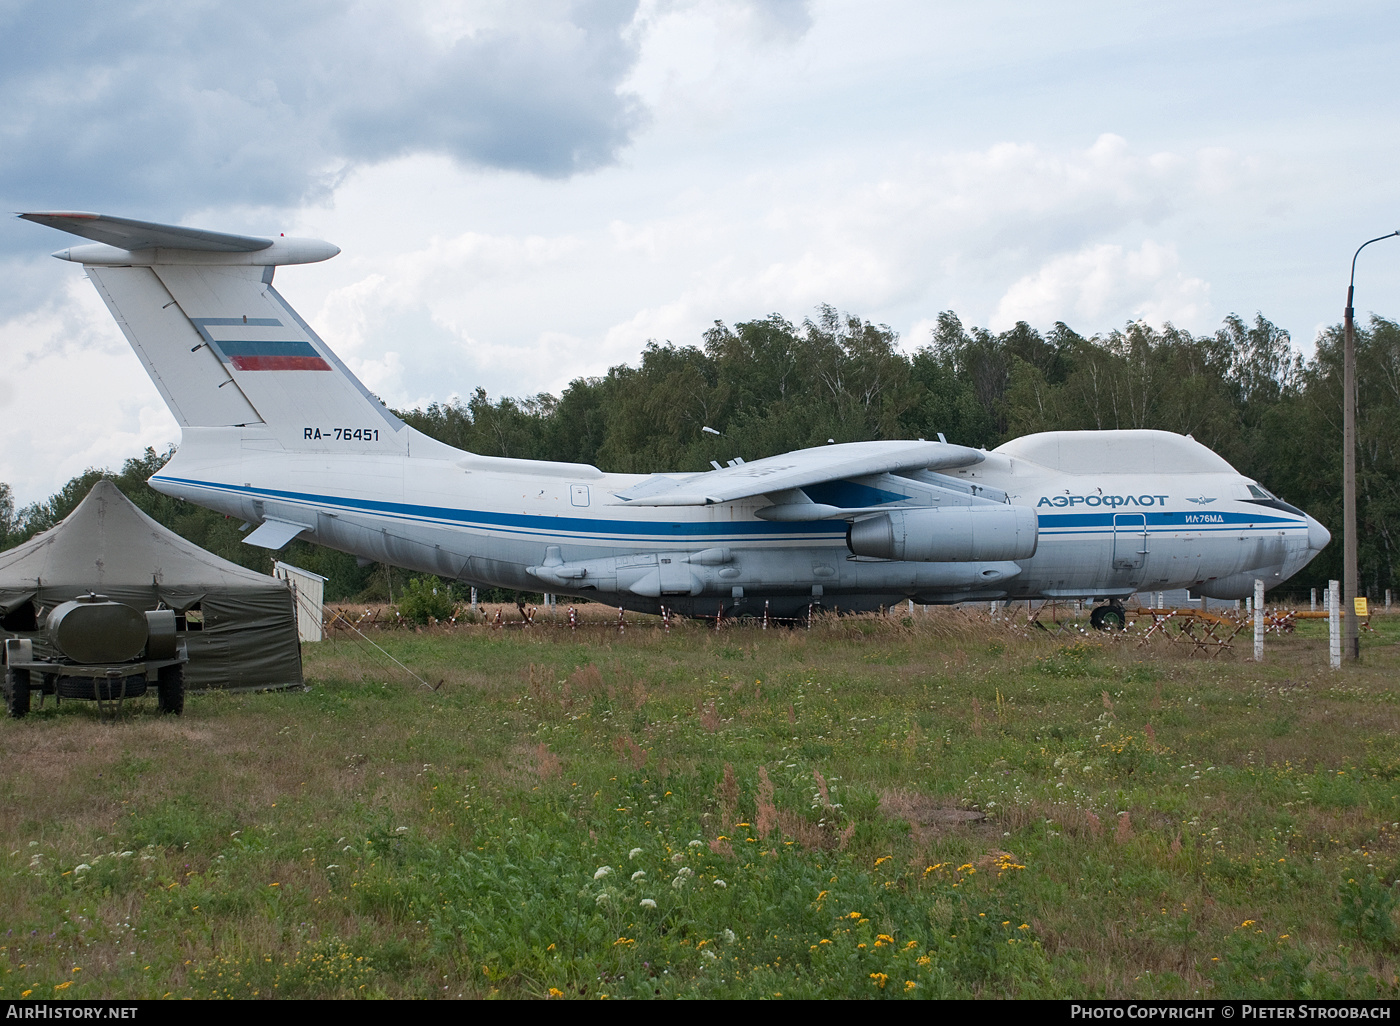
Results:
<point x="258" y="354"/>
<point x="273" y="356"/>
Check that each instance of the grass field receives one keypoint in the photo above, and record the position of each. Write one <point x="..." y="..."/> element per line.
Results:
<point x="734" y="813"/>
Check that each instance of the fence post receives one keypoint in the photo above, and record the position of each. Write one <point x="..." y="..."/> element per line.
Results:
<point x="1312" y="602"/>
<point x="1334" y="624"/>
<point x="1258" y="620"/>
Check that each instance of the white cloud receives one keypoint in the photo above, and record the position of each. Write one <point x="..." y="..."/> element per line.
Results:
<point x="584" y="285"/>
<point x="76" y="396"/>
<point x="1097" y="281"/>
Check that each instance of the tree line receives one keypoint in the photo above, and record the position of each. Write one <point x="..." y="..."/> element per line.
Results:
<point x="769" y="385"/>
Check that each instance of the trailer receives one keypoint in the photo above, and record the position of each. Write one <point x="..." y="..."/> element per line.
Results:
<point x="94" y="649"/>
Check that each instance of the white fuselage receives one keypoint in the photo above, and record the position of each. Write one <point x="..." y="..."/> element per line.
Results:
<point x="279" y="432"/>
<point x="500" y="522"/>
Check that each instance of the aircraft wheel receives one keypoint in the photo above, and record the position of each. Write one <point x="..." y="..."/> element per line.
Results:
<point x="170" y="685"/>
<point x="1109" y="618"/>
<point x="17" y="693"/>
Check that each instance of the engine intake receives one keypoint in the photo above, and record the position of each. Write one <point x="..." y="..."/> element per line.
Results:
<point x="947" y="534"/>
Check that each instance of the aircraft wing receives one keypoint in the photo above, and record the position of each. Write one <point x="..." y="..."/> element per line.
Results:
<point x="797" y="469"/>
<point x="125" y="233"/>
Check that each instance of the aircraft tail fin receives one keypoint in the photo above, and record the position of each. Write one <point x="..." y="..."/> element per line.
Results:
<point x="221" y="344"/>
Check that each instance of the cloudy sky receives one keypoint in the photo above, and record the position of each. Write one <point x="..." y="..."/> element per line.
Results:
<point x="526" y="193"/>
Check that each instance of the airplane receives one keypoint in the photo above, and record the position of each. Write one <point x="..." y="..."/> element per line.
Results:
<point x="277" y="431"/>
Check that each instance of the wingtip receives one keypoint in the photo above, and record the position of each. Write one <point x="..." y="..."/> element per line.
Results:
<point x="76" y="215"/>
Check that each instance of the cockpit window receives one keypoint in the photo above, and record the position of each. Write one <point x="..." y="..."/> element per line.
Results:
<point x="1258" y="492"/>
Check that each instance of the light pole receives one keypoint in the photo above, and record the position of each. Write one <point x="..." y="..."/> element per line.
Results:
<point x="1351" y="645"/>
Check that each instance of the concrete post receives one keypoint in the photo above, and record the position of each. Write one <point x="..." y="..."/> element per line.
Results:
<point x="1334" y="623"/>
<point x="1312" y="603"/>
<point x="1258" y="620"/>
<point x="473" y="600"/>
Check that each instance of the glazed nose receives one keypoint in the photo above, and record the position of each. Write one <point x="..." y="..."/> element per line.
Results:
<point x="1318" y="536"/>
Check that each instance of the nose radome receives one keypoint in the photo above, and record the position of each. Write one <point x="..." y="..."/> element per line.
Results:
<point x="1318" y="536"/>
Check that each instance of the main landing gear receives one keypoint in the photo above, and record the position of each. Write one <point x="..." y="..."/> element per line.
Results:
<point x="1109" y="617"/>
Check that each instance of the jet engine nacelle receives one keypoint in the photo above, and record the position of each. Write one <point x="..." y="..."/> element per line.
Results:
<point x="947" y="534"/>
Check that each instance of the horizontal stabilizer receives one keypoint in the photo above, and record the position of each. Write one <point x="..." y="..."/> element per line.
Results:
<point x="125" y="233"/>
<point x="798" y="469"/>
<point x="122" y="242"/>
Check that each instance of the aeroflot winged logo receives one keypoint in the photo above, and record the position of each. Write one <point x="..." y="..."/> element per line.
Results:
<point x="1202" y="501"/>
<point x="1112" y="501"/>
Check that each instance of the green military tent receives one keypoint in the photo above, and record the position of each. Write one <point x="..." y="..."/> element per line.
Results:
<point x="242" y="625"/>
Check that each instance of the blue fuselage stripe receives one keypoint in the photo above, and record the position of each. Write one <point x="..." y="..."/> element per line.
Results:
<point x="1060" y="525"/>
<point x="1163" y="521"/>
<point x="824" y="531"/>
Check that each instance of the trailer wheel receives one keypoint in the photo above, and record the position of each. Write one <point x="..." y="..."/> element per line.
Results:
<point x="17" y="693"/>
<point x="170" y="684"/>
